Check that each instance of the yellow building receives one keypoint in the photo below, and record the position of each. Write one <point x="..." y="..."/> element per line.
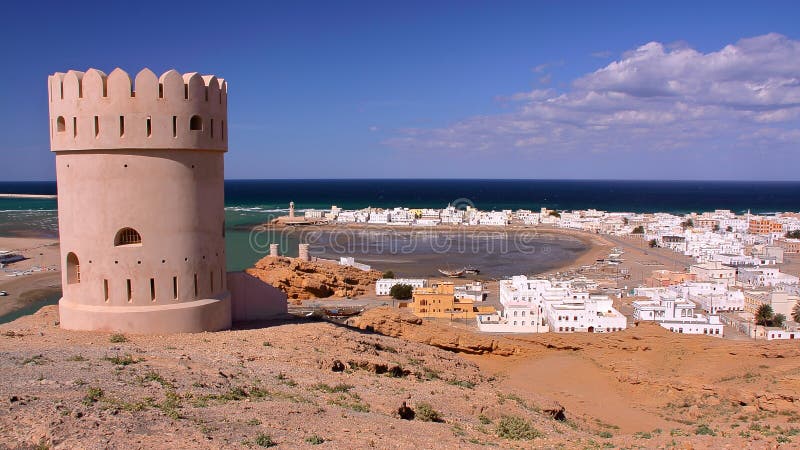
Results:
<point x="439" y="301"/>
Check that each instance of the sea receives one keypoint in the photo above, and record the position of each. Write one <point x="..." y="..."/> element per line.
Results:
<point x="253" y="202"/>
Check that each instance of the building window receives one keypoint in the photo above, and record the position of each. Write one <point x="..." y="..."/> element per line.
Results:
<point x="196" y="123"/>
<point x="105" y="290"/>
<point x="130" y="290"/>
<point x="127" y="236"/>
<point x="61" y="124"/>
<point x="152" y="289"/>
<point x="174" y="288"/>
<point x="73" y="269"/>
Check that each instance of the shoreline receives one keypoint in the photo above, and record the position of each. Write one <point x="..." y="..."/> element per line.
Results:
<point x="44" y="196"/>
<point x="26" y="290"/>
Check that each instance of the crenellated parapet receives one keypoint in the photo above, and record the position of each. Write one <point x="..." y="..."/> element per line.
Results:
<point x="91" y="110"/>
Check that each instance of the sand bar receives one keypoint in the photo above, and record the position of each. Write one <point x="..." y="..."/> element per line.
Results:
<point x="26" y="289"/>
<point x="27" y="196"/>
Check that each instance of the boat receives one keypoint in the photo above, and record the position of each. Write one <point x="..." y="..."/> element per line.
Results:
<point x="452" y="273"/>
<point x="342" y="312"/>
<point x="8" y="257"/>
<point x="472" y="270"/>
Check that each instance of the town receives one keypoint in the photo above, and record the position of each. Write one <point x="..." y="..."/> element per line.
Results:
<point x="736" y="278"/>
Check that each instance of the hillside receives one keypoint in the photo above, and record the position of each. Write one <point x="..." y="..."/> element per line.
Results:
<point x="299" y="383"/>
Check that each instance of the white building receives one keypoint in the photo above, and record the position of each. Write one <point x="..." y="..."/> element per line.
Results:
<point x="711" y="296"/>
<point x="384" y="285"/>
<point x="519" y="317"/>
<point x="471" y="291"/>
<point x="764" y="277"/>
<point x="379" y="217"/>
<point x="714" y="271"/>
<point x="595" y="314"/>
<point x="676" y="314"/>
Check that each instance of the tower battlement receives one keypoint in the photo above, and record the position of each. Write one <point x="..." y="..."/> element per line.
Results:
<point x="94" y="111"/>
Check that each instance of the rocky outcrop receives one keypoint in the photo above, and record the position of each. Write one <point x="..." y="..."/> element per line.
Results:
<point x="302" y="280"/>
<point x="403" y="324"/>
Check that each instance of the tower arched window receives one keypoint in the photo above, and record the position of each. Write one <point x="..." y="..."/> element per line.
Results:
<point x="196" y="123"/>
<point x="127" y="236"/>
<point x="61" y="124"/>
<point x="73" y="269"/>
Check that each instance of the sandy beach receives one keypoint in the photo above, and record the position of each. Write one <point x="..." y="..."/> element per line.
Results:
<point x="25" y="290"/>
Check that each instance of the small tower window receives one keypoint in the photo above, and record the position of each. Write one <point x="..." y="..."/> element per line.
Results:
<point x="61" y="124"/>
<point x="174" y="126"/>
<point x="127" y="236"/>
<point x="73" y="269"/>
<point x="149" y="127"/>
<point x="196" y="123"/>
<point x="211" y="126"/>
<point x="121" y="126"/>
<point x="96" y="126"/>
<point x="74" y="127"/>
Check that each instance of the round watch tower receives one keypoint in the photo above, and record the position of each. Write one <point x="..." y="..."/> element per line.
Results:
<point x="141" y="200"/>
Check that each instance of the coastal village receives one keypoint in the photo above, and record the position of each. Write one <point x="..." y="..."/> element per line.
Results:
<point x="738" y="273"/>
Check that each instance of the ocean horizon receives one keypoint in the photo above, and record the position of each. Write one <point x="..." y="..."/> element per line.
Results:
<point x="644" y="196"/>
<point x="253" y="202"/>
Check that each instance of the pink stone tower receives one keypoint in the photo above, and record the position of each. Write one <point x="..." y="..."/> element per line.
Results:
<point x="141" y="200"/>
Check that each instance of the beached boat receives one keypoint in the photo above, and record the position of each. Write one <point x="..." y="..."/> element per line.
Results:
<point x="452" y="273"/>
<point x="472" y="270"/>
<point x="8" y="257"/>
<point x="342" y="312"/>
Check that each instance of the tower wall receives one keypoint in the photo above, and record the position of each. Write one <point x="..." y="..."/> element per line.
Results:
<point x="156" y="171"/>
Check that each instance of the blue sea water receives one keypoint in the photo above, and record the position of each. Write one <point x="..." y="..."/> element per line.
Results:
<point x="250" y="202"/>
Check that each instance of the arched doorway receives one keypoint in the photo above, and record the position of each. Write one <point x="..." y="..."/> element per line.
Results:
<point x="590" y="330"/>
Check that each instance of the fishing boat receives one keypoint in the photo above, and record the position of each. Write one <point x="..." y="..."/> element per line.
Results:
<point x="472" y="270"/>
<point x="342" y="312"/>
<point x="452" y="273"/>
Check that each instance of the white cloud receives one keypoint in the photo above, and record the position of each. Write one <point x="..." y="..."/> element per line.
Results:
<point x="656" y="97"/>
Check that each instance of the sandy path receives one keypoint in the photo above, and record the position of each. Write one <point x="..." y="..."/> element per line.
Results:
<point x="580" y="386"/>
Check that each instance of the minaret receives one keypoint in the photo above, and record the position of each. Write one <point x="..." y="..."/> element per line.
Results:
<point x="291" y="210"/>
<point x="141" y="200"/>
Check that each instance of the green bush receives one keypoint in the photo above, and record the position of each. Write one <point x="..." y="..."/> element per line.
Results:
<point x="315" y="440"/>
<point x="517" y="429"/>
<point x="265" y="440"/>
<point x="388" y="274"/>
<point x="117" y="338"/>
<point x="92" y="396"/>
<point x="341" y="387"/>
<point x="704" y="429"/>
<point x="401" y="291"/>
<point x="426" y="413"/>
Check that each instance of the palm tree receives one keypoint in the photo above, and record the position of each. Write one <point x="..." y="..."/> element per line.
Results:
<point x="796" y="313"/>
<point x="778" y="320"/>
<point x="764" y="315"/>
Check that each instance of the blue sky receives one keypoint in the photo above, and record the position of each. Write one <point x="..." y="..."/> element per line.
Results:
<point x="625" y="90"/>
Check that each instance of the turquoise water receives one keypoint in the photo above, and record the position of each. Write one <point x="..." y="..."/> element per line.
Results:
<point x="252" y="202"/>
